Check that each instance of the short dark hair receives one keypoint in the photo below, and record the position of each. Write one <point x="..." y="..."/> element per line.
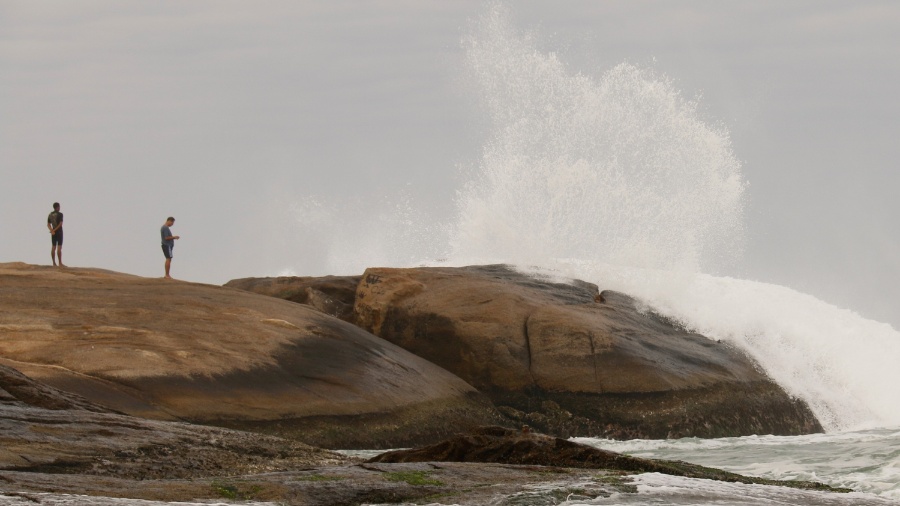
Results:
<point x="170" y="219"/>
<point x="56" y="205"/>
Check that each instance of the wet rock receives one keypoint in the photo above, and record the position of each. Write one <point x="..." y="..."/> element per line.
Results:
<point x="526" y="448"/>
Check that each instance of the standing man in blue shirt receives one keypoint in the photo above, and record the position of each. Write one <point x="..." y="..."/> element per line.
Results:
<point x="54" y="224"/>
<point x="168" y="242"/>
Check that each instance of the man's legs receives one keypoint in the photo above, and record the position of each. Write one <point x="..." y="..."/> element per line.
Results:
<point x="56" y="242"/>
<point x="167" y="251"/>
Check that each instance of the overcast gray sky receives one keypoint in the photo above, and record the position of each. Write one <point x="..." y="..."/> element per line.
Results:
<point x="239" y="117"/>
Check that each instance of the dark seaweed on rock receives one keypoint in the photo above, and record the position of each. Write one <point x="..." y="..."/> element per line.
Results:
<point x="506" y="446"/>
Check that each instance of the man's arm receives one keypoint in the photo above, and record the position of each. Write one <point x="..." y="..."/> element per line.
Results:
<point x="50" y="226"/>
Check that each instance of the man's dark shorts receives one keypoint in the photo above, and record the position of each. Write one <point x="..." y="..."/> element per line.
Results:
<point x="167" y="250"/>
<point x="57" y="238"/>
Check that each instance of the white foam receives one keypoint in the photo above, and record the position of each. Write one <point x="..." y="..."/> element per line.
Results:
<point x="844" y="365"/>
<point x="654" y="488"/>
<point x="865" y="461"/>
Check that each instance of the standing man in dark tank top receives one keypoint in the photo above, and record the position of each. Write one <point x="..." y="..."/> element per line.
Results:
<point x="54" y="225"/>
<point x="168" y="242"/>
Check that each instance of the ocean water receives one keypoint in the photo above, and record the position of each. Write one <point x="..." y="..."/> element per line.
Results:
<point x="866" y="461"/>
<point x="657" y="489"/>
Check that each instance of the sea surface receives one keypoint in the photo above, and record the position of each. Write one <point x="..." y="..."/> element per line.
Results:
<point x="866" y="461"/>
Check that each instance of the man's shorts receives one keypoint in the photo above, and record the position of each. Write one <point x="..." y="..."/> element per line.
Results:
<point x="57" y="238"/>
<point x="167" y="250"/>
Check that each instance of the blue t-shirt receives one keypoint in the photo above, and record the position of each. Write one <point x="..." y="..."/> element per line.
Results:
<point x="165" y="232"/>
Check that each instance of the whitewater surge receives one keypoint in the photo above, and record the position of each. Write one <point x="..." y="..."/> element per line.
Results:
<point x="869" y="460"/>
<point x="842" y="364"/>
<point x="617" y="179"/>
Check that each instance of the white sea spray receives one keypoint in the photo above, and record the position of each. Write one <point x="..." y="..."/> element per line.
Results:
<point x="617" y="167"/>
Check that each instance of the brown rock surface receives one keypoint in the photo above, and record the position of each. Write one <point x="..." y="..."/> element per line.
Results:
<point x="49" y="431"/>
<point x="571" y="361"/>
<point x="173" y="350"/>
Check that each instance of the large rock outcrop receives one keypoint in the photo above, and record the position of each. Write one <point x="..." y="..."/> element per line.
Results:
<point x="172" y="350"/>
<point x="572" y="361"/>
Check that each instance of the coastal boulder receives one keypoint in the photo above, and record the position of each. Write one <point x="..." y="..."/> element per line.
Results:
<point x="569" y="360"/>
<point x="171" y="350"/>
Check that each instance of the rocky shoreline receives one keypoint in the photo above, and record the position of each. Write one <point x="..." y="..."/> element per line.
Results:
<point x="119" y="386"/>
<point x="56" y="445"/>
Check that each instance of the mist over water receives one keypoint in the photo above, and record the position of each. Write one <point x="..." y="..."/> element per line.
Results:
<point x="617" y="179"/>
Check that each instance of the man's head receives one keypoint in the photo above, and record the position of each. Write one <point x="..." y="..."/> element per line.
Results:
<point x="56" y="206"/>
<point x="170" y="221"/>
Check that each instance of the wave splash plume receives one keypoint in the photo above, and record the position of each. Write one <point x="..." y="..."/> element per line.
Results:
<point x="618" y="180"/>
<point x="617" y="168"/>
